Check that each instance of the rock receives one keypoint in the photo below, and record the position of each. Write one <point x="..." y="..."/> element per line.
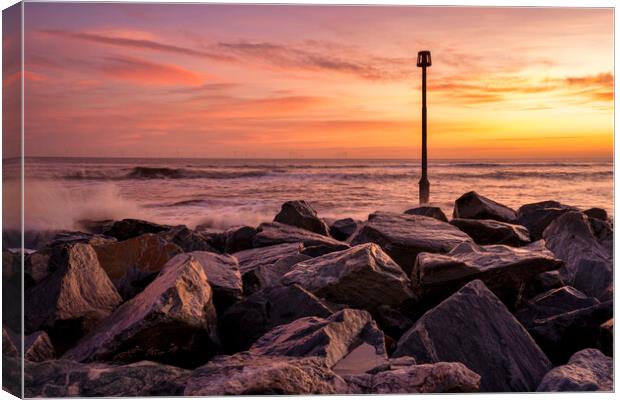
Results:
<point x="474" y="327"/>
<point x="246" y="321"/>
<point x="321" y="250"/>
<point x="392" y="321"/>
<point x="245" y="374"/>
<point x="561" y="335"/>
<point x="187" y="239"/>
<point x="172" y="321"/>
<point x="587" y="370"/>
<point x="606" y="341"/>
<point x="589" y="265"/>
<point x="301" y="214"/>
<point x="348" y="341"/>
<point x="215" y="237"/>
<point x="130" y="228"/>
<point x="38" y="347"/>
<point x="542" y="283"/>
<point x="502" y="268"/>
<point x="67" y="237"/>
<point x="361" y="277"/>
<point x="342" y="229"/>
<point x="222" y="272"/>
<point x="488" y="231"/>
<point x="11" y="264"/>
<point x="264" y="267"/>
<point x="596" y="213"/>
<point x="63" y="379"/>
<point x="403" y="236"/>
<point x="427" y="211"/>
<point x="69" y="301"/>
<point x="474" y="206"/>
<point x="133" y="263"/>
<point x="95" y="227"/>
<point x="272" y="233"/>
<point x="239" y="238"/>
<point x="536" y="217"/>
<point x="8" y="347"/>
<point x="603" y="232"/>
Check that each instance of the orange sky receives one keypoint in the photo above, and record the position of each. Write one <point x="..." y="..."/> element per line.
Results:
<point x="313" y="81"/>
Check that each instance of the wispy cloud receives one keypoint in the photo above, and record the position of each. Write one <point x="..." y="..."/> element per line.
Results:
<point x="147" y="72"/>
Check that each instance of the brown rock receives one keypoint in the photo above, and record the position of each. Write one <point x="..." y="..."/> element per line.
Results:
<point x="475" y="206"/>
<point x="301" y="214"/>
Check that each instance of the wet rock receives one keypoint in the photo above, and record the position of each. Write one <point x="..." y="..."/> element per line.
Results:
<point x="488" y="231"/>
<point x="172" y="321"/>
<point x="133" y="263"/>
<point x="244" y="374"/>
<point x="301" y="214"/>
<point x="537" y="216"/>
<point x="392" y="321"/>
<point x="361" y="277"/>
<point x="246" y="321"/>
<point x="606" y="342"/>
<point x="187" y="239"/>
<point x="502" y="268"/>
<point x="69" y="301"/>
<point x="38" y="347"/>
<point x="335" y="339"/>
<point x="475" y="206"/>
<point x="239" y="238"/>
<point x="342" y="229"/>
<point x="130" y="228"/>
<point x="403" y="236"/>
<point x="427" y="211"/>
<point x="272" y="233"/>
<point x="589" y="265"/>
<point x="596" y="213"/>
<point x="63" y="379"/>
<point x="587" y="370"/>
<point x="474" y="327"/>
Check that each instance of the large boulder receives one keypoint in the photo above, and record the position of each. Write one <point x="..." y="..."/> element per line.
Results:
<point x="587" y="370"/>
<point x="129" y="228"/>
<point x="246" y="321"/>
<point x="403" y="236"/>
<point x="38" y="347"/>
<point x="272" y="233"/>
<point x="348" y="340"/>
<point x="239" y="238"/>
<point x="342" y="229"/>
<point x="64" y="379"/>
<point x="502" y="268"/>
<point x="536" y="217"/>
<point x="172" y="321"/>
<point x="475" y="328"/>
<point x="361" y="277"/>
<point x="475" y="206"/>
<point x="428" y="211"/>
<point x="589" y="265"/>
<point x="596" y="213"/>
<point x="134" y="263"/>
<point x="301" y="214"/>
<point x="488" y="231"/>
<point x="245" y="374"/>
<point x="70" y="301"/>
<point x="187" y="239"/>
<point x="553" y="302"/>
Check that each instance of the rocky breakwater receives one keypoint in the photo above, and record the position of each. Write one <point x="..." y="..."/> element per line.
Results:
<point x="492" y="300"/>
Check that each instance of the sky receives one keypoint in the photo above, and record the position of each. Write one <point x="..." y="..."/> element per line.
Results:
<point x="195" y="80"/>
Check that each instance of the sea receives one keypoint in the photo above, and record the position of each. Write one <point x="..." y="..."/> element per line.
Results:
<point x="61" y="192"/>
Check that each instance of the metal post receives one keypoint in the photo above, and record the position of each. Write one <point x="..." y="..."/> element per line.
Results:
<point x="424" y="60"/>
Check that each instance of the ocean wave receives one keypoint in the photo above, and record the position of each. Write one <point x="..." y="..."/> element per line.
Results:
<point x="145" y="173"/>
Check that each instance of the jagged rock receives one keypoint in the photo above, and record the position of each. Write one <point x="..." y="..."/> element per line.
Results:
<point x="130" y="228"/>
<point x="239" y="238"/>
<point x="392" y="321"/>
<point x="134" y="263"/>
<point x="68" y="302"/>
<point x="245" y="374"/>
<point x="603" y="232"/>
<point x="589" y="265"/>
<point x="587" y="370"/>
<point x="488" y="231"/>
<point x="95" y="227"/>
<point x="222" y="273"/>
<point x="272" y="233"/>
<point x="342" y="229"/>
<point x="347" y="334"/>
<point x="172" y="321"/>
<point x="8" y="347"/>
<point x="542" y="283"/>
<point x="537" y="216"/>
<point x="475" y="206"/>
<point x="264" y="267"/>
<point x="63" y="379"/>
<point x="67" y="237"/>
<point x="606" y="341"/>
<point x="475" y="328"/>
<point x="403" y="236"/>
<point x="427" y="211"/>
<point x="362" y="277"/>
<point x="502" y="268"/>
<point x="301" y="214"/>
<point x="596" y="213"/>
<point x="187" y="239"/>
<point x="38" y="347"/>
<point x="561" y="335"/>
<point x="321" y="250"/>
<point x="246" y="321"/>
<point x="11" y="264"/>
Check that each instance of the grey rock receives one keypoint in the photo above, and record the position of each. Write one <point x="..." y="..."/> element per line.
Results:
<point x="536" y="217"/>
<point x="38" y="347"/>
<point x="488" y="231"/>
<point x="362" y="277"/>
<point x="239" y="238"/>
<point x="403" y="236"/>
<point x="587" y="370"/>
<point x="427" y="211"/>
<point x="475" y="206"/>
<point x="301" y="214"/>
<point x="129" y="228"/>
<point x="342" y="229"/>
<point x="272" y="233"/>
<point x="474" y="327"/>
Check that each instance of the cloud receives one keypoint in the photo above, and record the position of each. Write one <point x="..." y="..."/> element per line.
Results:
<point x="147" y="72"/>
